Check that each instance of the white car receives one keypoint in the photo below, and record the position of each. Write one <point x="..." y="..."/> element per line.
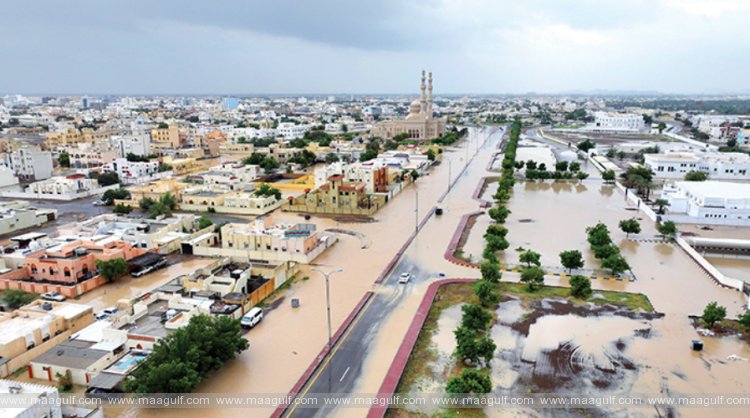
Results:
<point x="53" y="296"/>
<point x="105" y="313"/>
<point x="100" y="203"/>
<point x="404" y="278"/>
<point x="252" y="317"/>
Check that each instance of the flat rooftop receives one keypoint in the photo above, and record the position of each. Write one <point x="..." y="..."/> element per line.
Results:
<point x="720" y="189"/>
<point x="72" y="353"/>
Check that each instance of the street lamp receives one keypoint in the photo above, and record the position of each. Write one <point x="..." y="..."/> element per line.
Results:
<point x="328" y="302"/>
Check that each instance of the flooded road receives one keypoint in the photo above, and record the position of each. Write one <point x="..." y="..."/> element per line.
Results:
<point x="288" y="339"/>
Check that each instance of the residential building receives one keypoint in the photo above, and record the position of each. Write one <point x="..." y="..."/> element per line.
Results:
<point x="718" y="165"/>
<point x="48" y="403"/>
<point x="72" y="136"/>
<point x="166" y="137"/>
<point x="162" y="235"/>
<point x="135" y="172"/>
<point x="233" y="175"/>
<point x="373" y="174"/>
<point x="222" y="200"/>
<point x="420" y="124"/>
<point x="708" y="202"/>
<point x="257" y="241"/>
<point x="82" y="356"/>
<point x="35" y="328"/>
<point x="337" y="197"/>
<point x="229" y="103"/>
<point x="74" y="186"/>
<point x="7" y="177"/>
<point x="616" y="122"/>
<point x="17" y="215"/>
<point x="136" y="144"/>
<point x="154" y="190"/>
<point x="289" y="130"/>
<point x="30" y="163"/>
<point x="85" y="156"/>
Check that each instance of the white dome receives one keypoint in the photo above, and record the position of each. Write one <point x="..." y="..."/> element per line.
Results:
<point x="415" y="107"/>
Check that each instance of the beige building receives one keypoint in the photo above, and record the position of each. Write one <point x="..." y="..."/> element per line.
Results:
<point x="73" y="136"/>
<point x="166" y="137"/>
<point x="35" y="328"/>
<point x="337" y="197"/>
<point x="419" y="124"/>
<point x="227" y="201"/>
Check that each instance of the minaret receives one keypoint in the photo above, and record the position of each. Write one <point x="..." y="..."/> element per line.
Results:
<point x="429" y="96"/>
<point x="422" y="100"/>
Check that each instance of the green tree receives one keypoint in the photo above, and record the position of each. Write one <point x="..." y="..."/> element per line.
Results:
<point x="598" y="235"/>
<point x="499" y="214"/>
<point x="490" y="271"/>
<point x="431" y="154"/>
<point x="470" y="382"/>
<point x="713" y="313"/>
<point x="530" y="257"/>
<point x="533" y="277"/>
<point x="485" y="292"/>
<point x="744" y="319"/>
<point x="608" y="176"/>
<point x="496" y="230"/>
<point x="64" y="159"/>
<point x="696" y="176"/>
<point x="586" y="145"/>
<point x="111" y="195"/>
<point x="331" y="158"/>
<point x="16" y="298"/>
<point x="604" y="251"/>
<point x="661" y="127"/>
<point x="473" y="346"/>
<point x="574" y="166"/>
<point x="571" y="259"/>
<point x="204" y="222"/>
<point x="113" y="268"/>
<point x="531" y="165"/>
<point x="182" y="359"/>
<point x="414" y="175"/>
<point x="667" y="229"/>
<point x="580" y="287"/>
<point x="65" y="380"/>
<point x="630" y="226"/>
<point x="616" y="264"/>
<point x="561" y="166"/>
<point x="146" y="203"/>
<point x="106" y="178"/>
<point x="495" y="243"/>
<point x="661" y="204"/>
<point x="475" y="317"/>
<point x="122" y="209"/>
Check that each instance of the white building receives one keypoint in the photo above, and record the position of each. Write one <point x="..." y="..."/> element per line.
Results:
<point x="133" y="172"/>
<point x="16" y="215"/>
<point x="291" y="131"/>
<point x="233" y="175"/>
<point x="708" y="202"/>
<point x="616" y="122"/>
<point x="30" y="163"/>
<point x="72" y="187"/>
<point x="48" y="398"/>
<point x="7" y="177"/>
<point x="718" y="165"/>
<point x="138" y="144"/>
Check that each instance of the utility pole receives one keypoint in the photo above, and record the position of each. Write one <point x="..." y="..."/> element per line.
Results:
<point x="416" y="209"/>
<point x="449" y="174"/>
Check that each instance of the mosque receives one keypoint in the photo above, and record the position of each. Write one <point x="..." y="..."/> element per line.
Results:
<point x="419" y="124"/>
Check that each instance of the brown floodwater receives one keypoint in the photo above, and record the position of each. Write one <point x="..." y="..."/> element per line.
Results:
<point x="288" y="339"/>
<point x="737" y="268"/>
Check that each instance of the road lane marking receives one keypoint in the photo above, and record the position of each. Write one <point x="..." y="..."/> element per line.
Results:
<point x="344" y="375"/>
<point x="331" y="353"/>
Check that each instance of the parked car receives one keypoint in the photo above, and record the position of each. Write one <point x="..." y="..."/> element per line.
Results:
<point x="404" y="278"/>
<point x="438" y="211"/>
<point x="53" y="296"/>
<point x="100" y="203"/>
<point x="252" y="317"/>
<point x="105" y="313"/>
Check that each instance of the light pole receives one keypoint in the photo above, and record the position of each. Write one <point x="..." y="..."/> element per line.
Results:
<point x="416" y="209"/>
<point x="449" y="174"/>
<point x="328" y="303"/>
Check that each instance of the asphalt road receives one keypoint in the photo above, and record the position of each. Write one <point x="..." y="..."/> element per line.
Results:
<point x="340" y="372"/>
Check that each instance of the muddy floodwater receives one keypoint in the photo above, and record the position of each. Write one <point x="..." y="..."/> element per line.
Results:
<point x="737" y="268"/>
<point x="554" y="347"/>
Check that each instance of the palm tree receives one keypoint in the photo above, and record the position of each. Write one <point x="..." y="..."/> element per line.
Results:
<point x="661" y="203"/>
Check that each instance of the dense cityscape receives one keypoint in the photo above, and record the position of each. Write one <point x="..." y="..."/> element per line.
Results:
<point x="420" y="254"/>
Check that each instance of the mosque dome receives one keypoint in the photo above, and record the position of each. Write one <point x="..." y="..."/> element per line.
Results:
<point x="415" y="107"/>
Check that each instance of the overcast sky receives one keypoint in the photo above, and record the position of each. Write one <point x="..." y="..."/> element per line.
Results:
<point x="379" y="46"/>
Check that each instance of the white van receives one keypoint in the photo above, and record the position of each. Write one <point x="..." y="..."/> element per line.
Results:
<point x="252" y="317"/>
